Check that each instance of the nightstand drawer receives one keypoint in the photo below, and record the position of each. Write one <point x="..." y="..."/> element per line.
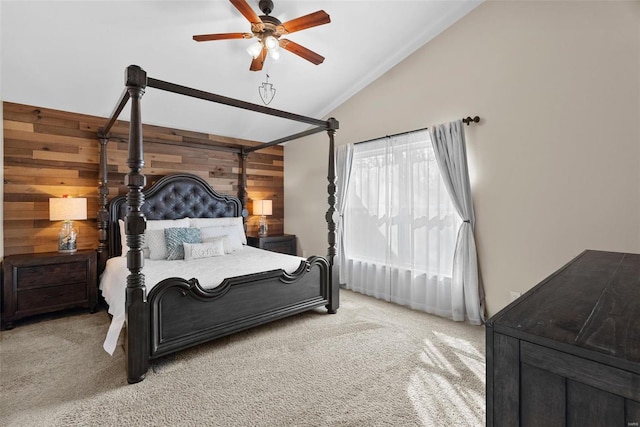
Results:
<point x="282" y="247"/>
<point x="48" y="274"/>
<point x="285" y="243"/>
<point x="36" y="300"/>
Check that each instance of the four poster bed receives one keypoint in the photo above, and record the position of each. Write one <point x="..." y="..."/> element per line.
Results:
<point x="179" y="312"/>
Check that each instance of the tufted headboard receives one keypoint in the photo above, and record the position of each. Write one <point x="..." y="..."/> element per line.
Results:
<point x="173" y="197"/>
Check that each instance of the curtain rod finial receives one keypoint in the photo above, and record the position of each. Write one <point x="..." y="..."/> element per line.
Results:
<point x="468" y="120"/>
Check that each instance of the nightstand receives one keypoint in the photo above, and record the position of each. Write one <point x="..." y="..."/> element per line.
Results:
<point x="284" y="243"/>
<point x="47" y="282"/>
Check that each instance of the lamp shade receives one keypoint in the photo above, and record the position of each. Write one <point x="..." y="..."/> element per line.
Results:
<point x="67" y="208"/>
<point x="262" y="207"/>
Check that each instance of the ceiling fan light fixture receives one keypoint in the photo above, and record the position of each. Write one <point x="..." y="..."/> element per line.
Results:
<point x="254" y="49"/>
<point x="268" y="30"/>
<point x="271" y="43"/>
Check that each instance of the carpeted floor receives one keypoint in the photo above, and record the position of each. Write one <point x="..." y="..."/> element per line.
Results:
<point x="372" y="364"/>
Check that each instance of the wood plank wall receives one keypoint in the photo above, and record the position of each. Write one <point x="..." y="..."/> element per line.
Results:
<point x="49" y="153"/>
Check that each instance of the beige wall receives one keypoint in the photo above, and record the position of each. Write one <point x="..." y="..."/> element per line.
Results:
<point x="555" y="162"/>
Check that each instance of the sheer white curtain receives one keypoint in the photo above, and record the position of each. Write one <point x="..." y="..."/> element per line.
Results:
<point x="400" y="224"/>
<point x="344" y="160"/>
<point x="451" y="153"/>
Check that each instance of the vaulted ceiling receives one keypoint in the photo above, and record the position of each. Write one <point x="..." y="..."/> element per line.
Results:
<point x="71" y="55"/>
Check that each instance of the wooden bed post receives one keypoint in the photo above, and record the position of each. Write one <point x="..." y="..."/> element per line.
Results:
<point x="243" y="188"/>
<point x="137" y="317"/>
<point x="334" y="285"/>
<point x="103" y="194"/>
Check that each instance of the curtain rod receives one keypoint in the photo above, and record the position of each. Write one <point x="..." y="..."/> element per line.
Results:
<point x="466" y="120"/>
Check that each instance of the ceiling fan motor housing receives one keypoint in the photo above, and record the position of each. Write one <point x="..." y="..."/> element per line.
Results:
<point x="271" y="26"/>
<point x="266" y="6"/>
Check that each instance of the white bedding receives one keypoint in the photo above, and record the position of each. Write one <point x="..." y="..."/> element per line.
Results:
<point x="210" y="272"/>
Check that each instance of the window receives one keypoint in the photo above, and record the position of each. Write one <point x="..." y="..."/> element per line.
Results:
<point x="400" y="224"/>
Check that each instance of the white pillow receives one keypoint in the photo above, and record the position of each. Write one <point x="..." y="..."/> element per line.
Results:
<point x="221" y="222"/>
<point x="231" y="240"/>
<point x="123" y="239"/>
<point x="203" y="250"/>
<point x="157" y="244"/>
<point x="156" y="224"/>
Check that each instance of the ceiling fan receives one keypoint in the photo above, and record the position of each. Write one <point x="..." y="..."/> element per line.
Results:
<point x="268" y="30"/>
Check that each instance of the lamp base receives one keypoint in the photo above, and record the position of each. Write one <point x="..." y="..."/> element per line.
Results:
<point x="263" y="228"/>
<point x="67" y="238"/>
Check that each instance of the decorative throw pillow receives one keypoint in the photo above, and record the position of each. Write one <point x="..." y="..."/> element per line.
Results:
<point x="157" y="244"/>
<point x="203" y="250"/>
<point x="231" y="240"/>
<point x="175" y="237"/>
<point x="226" y="221"/>
<point x="156" y="224"/>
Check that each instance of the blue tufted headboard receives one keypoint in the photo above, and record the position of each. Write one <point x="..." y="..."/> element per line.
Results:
<point x="173" y="197"/>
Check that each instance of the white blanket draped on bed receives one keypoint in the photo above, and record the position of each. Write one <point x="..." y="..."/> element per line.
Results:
<point x="210" y="272"/>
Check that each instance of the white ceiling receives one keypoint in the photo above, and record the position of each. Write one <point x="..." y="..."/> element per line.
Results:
<point x="71" y="55"/>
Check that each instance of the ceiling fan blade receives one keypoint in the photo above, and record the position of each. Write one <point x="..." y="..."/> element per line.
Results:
<point x="307" y="21"/>
<point x="258" y="62"/>
<point x="301" y="51"/>
<point x="222" y="36"/>
<point x="246" y="11"/>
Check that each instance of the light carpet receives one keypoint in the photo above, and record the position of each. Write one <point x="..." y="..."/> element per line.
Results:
<point x="371" y="364"/>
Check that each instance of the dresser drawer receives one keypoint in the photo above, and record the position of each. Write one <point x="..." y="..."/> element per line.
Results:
<point x="51" y="274"/>
<point x="44" y="299"/>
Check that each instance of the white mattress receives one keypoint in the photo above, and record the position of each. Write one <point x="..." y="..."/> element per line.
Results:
<point x="210" y="272"/>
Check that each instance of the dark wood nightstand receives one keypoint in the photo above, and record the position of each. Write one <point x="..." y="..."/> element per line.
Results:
<point x="47" y="282"/>
<point x="284" y="243"/>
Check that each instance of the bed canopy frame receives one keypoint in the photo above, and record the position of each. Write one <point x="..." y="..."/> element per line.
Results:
<point x="136" y="81"/>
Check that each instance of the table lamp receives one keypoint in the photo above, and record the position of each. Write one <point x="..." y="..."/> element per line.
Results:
<point x="67" y="209"/>
<point x="262" y="208"/>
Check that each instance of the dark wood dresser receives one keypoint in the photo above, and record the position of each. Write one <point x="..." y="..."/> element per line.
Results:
<point x="567" y="353"/>
<point x="47" y="282"/>
<point x="284" y="243"/>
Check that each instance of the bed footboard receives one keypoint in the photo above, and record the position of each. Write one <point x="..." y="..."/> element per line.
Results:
<point x="183" y="314"/>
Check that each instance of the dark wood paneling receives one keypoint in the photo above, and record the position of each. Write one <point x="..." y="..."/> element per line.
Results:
<point x="590" y="407"/>
<point x="49" y="153"/>
<point x="490" y="358"/>
<point x="542" y="398"/>
<point x="614" y="325"/>
<point x="506" y="378"/>
<point x="568" y="296"/>
<point x="632" y="413"/>
<point x="598" y="375"/>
